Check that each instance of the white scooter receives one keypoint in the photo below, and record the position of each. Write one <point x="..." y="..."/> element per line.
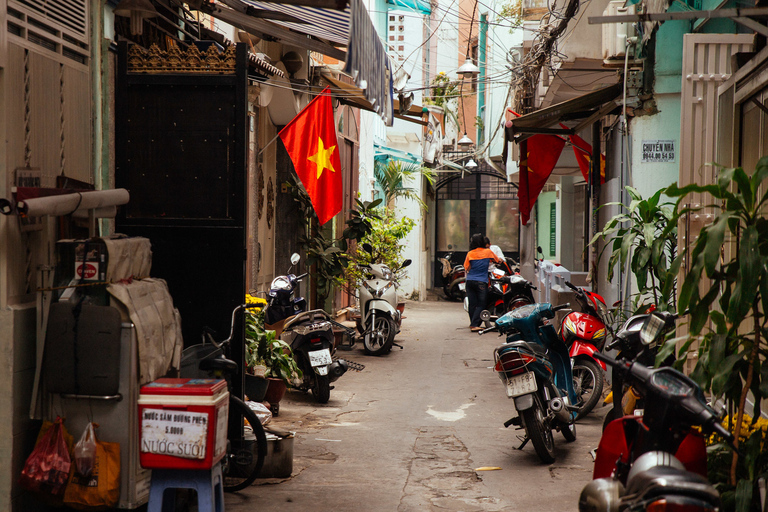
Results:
<point x="380" y="318"/>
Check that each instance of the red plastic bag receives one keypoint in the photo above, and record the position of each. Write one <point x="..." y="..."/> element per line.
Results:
<point x="47" y="467"/>
<point x="85" y="451"/>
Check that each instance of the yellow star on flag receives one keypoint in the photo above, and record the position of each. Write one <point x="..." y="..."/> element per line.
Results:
<point x="322" y="159"/>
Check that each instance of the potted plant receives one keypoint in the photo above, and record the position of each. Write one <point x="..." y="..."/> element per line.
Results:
<point x="263" y="348"/>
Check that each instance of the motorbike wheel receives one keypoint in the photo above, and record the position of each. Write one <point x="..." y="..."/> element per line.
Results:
<point x="454" y="292"/>
<point x="569" y="432"/>
<point x="538" y="431"/>
<point x="382" y="335"/>
<point x="245" y="456"/>
<point x="588" y="382"/>
<point x="321" y="388"/>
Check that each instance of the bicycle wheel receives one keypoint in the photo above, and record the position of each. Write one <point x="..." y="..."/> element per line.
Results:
<point x="245" y="456"/>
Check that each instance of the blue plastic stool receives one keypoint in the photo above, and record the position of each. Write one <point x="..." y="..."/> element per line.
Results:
<point x="209" y="485"/>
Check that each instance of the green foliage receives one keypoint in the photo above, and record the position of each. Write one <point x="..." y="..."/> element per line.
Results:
<point x="512" y="13"/>
<point x="386" y="238"/>
<point x="645" y="234"/>
<point x="328" y="254"/>
<point x="263" y="348"/>
<point x="735" y="298"/>
<point x="393" y="175"/>
<point x="443" y="93"/>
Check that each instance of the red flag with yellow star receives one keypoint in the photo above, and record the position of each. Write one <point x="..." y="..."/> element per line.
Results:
<point x="583" y="153"/>
<point x="310" y="139"/>
<point x="538" y="157"/>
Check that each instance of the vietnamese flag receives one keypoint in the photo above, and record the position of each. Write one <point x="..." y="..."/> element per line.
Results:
<point x="310" y="139"/>
<point x="539" y="155"/>
<point x="583" y="153"/>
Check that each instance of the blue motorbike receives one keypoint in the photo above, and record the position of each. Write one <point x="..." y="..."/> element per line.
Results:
<point x="535" y="367"/>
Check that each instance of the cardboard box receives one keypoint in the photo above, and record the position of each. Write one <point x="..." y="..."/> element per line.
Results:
<point x="183" y="423"/>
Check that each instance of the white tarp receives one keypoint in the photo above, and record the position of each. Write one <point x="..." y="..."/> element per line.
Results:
<point x="149" y="305"/>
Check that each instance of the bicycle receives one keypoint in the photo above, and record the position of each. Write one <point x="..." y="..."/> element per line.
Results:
<point x="246" y="439"/>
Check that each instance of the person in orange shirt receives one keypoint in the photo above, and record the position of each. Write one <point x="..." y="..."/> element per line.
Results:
<point x="476" y="265"/>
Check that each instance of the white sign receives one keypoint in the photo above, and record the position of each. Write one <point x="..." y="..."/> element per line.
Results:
<point x="658" y="151"/>
<point x="175" y="433"/>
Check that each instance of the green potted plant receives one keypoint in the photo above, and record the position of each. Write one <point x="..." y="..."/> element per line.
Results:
<point x="263" y="348"/>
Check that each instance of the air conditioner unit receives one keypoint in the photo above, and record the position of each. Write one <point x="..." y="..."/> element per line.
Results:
<point x="615" y="34"/>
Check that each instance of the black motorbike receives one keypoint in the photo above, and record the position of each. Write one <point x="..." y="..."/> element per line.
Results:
<point x="308" y="333"/>
<point x="507" y="291"/>
<point x="454" y="275"/>
<point x="656" y="461"/>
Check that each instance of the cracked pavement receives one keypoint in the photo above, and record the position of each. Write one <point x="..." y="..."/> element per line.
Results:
<point x="409" y="432"/>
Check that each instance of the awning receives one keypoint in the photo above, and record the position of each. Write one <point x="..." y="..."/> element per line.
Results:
<point x="420" y="6"/>
<point x="354" y="96"/>
<point x="588" y="108"/>
<point x="324" y="31"/>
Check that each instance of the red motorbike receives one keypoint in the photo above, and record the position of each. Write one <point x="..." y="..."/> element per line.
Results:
<point x="584" y="332"/>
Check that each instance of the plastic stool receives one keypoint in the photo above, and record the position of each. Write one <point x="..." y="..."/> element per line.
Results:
<point x="208" y="484"/>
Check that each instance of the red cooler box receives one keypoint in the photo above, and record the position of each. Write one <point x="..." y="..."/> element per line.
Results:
<point x="183" y="423"/>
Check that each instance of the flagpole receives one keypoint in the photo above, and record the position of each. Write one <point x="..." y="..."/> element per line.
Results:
<point x="268" y="144"/>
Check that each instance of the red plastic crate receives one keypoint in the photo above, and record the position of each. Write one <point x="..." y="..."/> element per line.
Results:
<point x="183" y="423"/>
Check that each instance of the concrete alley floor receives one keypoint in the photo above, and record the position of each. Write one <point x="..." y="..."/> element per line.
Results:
<point x="409" y="432"/>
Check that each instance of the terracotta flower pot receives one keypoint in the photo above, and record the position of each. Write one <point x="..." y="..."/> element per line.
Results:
<point x="275" y="391"/>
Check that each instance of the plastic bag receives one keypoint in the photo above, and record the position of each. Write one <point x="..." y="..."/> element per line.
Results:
<point x="261" y="411"/>
<point x="100" y="490"/>
<point x="85" y="451"/>
<point x="47" y="467"/>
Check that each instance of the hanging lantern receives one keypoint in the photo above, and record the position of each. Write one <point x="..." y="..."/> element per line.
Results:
<point x="138" y="11"/>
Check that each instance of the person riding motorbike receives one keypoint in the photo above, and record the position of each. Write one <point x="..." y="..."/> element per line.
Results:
<point x="476" y="264"/>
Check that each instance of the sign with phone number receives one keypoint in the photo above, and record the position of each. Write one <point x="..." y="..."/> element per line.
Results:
<point x="175" y="433"/>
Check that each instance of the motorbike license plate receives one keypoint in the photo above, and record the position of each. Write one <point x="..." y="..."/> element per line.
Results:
<point x="463" y="286"/>
<point x="521" y="385"/>
<point x="320" y="357"/>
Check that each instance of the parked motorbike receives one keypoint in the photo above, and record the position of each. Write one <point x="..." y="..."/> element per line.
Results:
<point x="506" y="292"/>
<point x="453" y="276"/>
<point x="626" y="399"/>
<point x="584" y="332"/>
<point x="535" y="368"/>
<point x="380" y="317"/>
<point x="656" y="462"/>
<point x="309" y="334"/>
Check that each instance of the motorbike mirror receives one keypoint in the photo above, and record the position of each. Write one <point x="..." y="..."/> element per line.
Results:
<point x="406" y="263"/>
<point x="368" y="248"/>
<point x="652" y="328"/>
<point x="295" y="258"/>
<point x="539" y="250"/>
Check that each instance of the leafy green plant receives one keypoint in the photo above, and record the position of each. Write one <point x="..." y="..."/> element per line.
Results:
<point x="325" y="253"/>
<point x="386" y="238"/>
<point x="645" y="234"/>
<point x="443" y="93"/>
<point x="393" y="175"/>
<point x="263" y="348"/>
<point x="735" y="300"/>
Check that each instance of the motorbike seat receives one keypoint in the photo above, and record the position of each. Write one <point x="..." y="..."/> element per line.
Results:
<point x="315" y="315"/>
<point x="666" y="480"/>
<point x="222" y="364"/>
<point x="533" y="347"/>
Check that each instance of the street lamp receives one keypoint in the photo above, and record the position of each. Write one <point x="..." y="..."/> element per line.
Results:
<point x="468" y="69"/>
<point x="471" y="164"/>
<point x="465" y="141"/>
<point x="138" y="11"/>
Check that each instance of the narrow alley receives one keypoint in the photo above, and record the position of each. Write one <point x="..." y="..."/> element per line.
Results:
<point x="410" y="431"/>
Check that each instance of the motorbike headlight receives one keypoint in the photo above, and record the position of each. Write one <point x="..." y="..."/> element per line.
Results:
<point x="386" y="272"/>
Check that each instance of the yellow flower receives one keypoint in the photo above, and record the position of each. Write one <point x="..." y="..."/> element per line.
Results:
<point x="250" y="299"/>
